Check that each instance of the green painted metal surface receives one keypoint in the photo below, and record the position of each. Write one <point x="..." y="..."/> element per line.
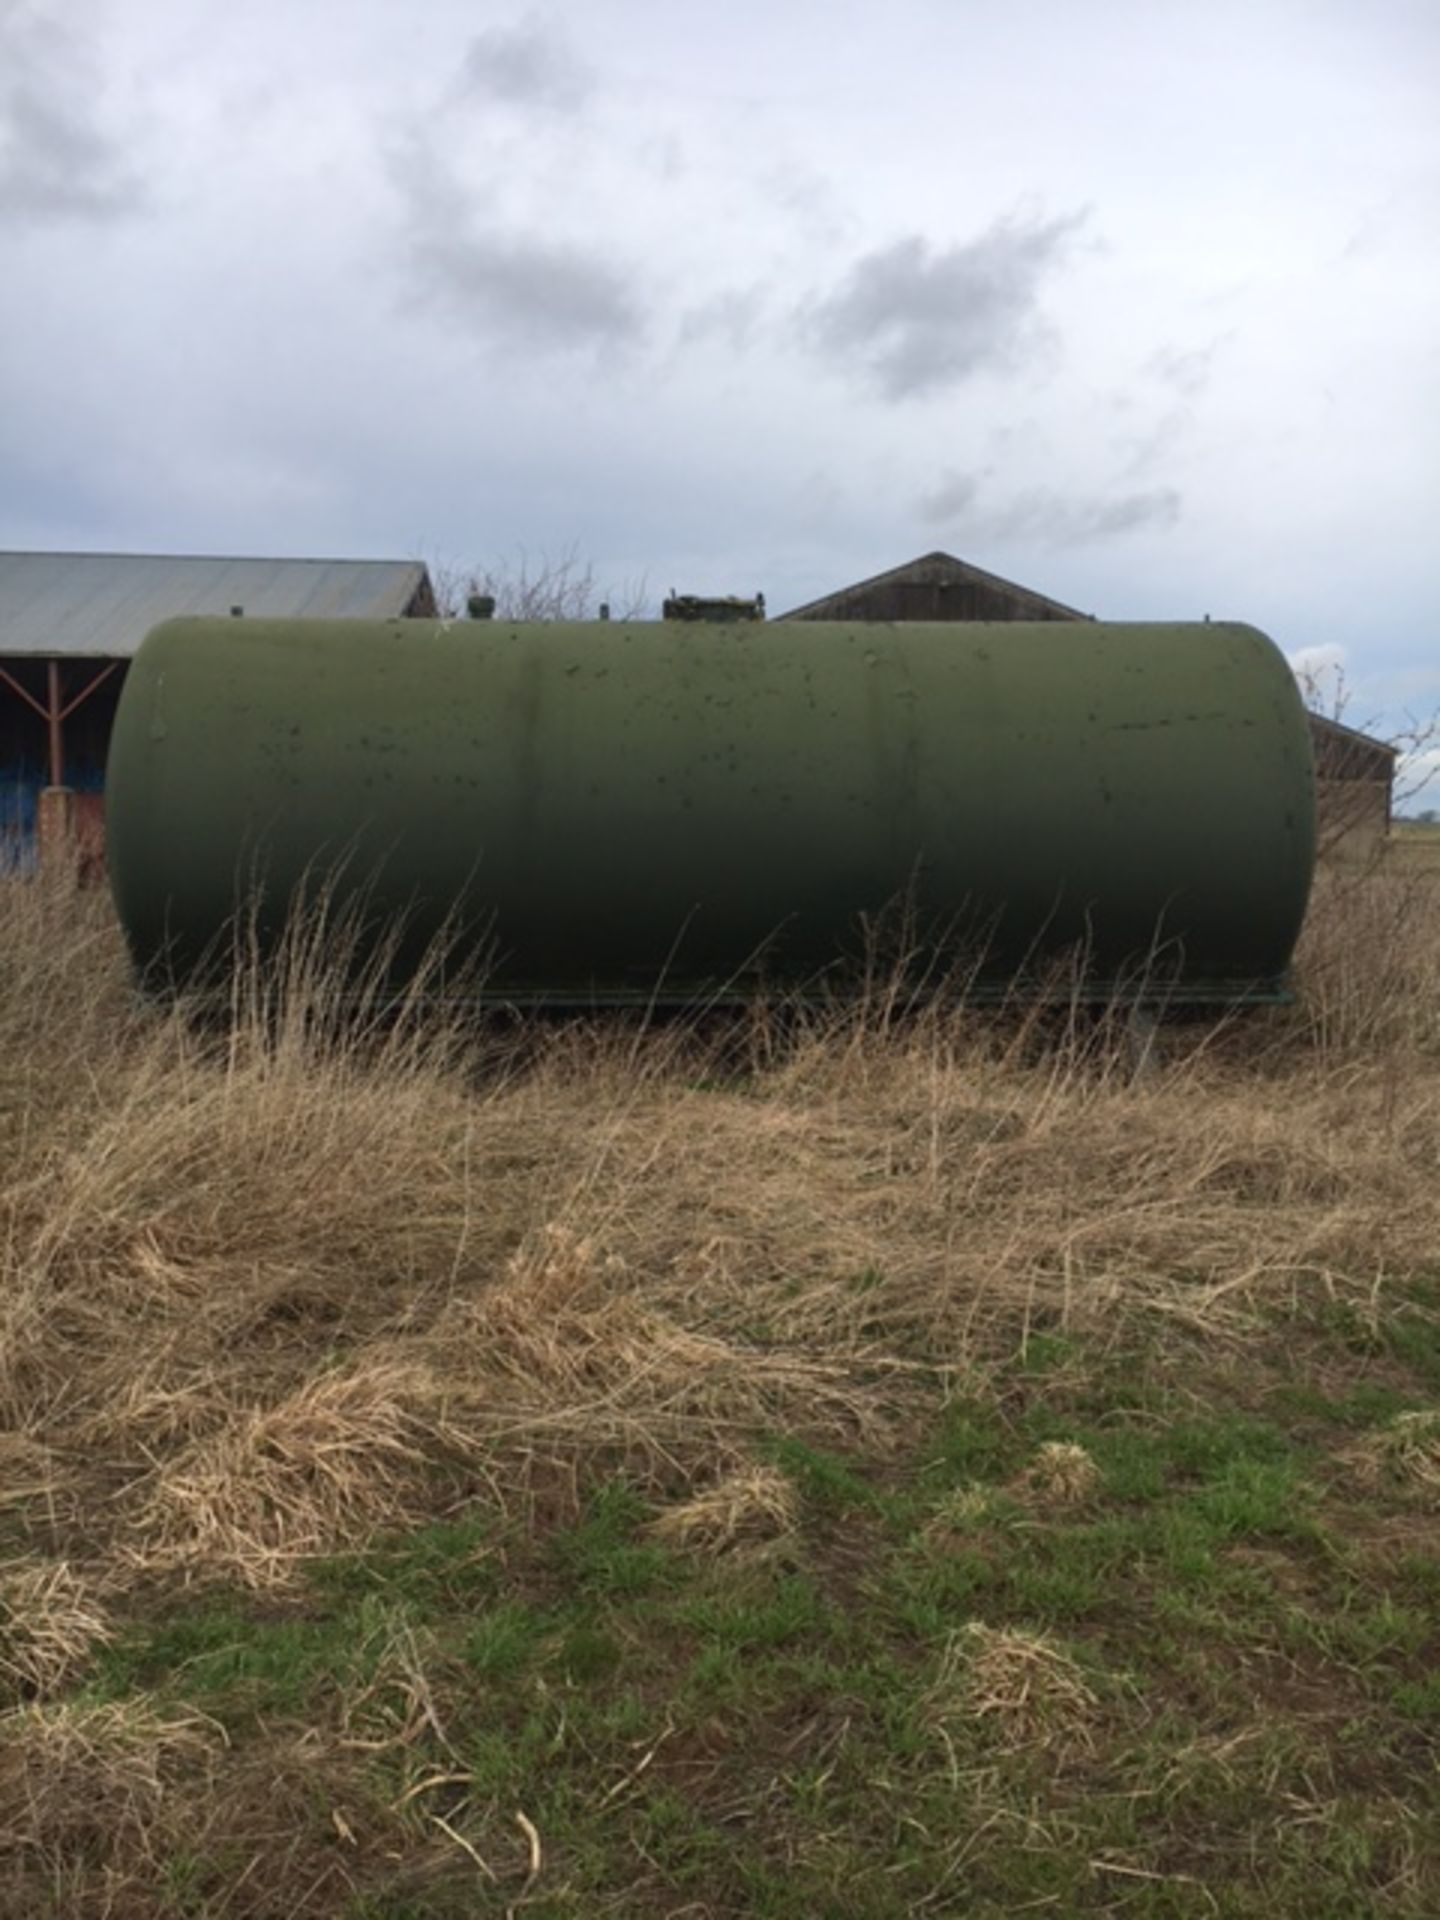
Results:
<point x="633" y="811"/>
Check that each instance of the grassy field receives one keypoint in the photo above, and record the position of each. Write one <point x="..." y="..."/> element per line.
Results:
<point x="1414" y="847"/>
<point x="864" y="1466"/>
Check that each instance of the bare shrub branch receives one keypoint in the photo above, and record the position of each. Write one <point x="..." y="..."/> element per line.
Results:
<point x="536" y="587"/>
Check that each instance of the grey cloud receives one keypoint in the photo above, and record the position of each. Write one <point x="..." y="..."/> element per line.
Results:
<point x="807" y="198"/>
<point x="527" y="65"/>
<point x="1188" y="373"/>
<point x="731" y="317"/>
<point x="1152" y="446"/>
<point x="56" y="161"/>
<point x="524" y="292"/>
<point x="952" y="497"/>
<point x="500" y="281"/>
<point x="1062" y="520"/>
<point x="663" y="154"/>
<point x="1042" y="514"/>
<point x="912" y="320"/>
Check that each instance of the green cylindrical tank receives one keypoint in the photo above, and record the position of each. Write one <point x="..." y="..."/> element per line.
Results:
<point x="632" y="812"/>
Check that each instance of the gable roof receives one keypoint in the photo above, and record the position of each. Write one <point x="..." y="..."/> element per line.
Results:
<point x="1337" y="730"/>
<point x="102" y="605"/>
<point x="1345" y="753"/>
<point x="934" y="569"/>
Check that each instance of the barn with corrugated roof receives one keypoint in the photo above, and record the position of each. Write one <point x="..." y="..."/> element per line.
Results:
<point x="71" y="622"/>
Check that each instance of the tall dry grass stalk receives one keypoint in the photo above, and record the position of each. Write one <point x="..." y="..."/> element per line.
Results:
<point x="335" y="1263"/>
<point x="1369" y="965"/>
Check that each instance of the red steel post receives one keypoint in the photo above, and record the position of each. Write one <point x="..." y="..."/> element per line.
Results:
<point x="54" y="716"/>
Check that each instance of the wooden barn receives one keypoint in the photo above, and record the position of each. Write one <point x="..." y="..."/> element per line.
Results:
<point x="71" y="622"/>
<point x="1354" y="772"/>
<point x="1354" y="789"/>
<point x="935" y="587"/>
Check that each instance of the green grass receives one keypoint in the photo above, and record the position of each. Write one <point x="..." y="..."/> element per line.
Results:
<point x="761" y="1734"/>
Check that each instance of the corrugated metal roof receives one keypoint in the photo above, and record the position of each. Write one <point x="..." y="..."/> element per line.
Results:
<point x="103" y="604"/>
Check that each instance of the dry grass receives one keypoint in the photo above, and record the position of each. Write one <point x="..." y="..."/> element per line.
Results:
<point x="51" y="1621"/>
<point x="1061" y="1474"/>
<point x="269" y="1290"/>
<point x="1406" y="1453"/>
<point x="102" y="1776"/>
<point x="331" y="1461"/>
<point x="274" y="1288"/>
<point x="1370" y="962"/>
<point x="961" y="1515"/>
<point x="754" y="1505"/>
<point x="1023" y="1687"/>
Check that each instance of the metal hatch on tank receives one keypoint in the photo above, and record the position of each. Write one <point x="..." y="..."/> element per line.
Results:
<point x="643" y="812"/>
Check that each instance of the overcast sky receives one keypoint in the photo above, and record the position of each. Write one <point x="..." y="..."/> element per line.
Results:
<point x="1135" y="302"/>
